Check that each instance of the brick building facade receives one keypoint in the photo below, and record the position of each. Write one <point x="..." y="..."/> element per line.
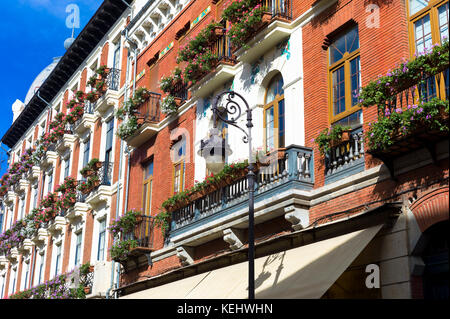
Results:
<point x="323" y="220"/>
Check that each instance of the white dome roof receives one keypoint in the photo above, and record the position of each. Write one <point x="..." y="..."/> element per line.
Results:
<point x="40" y="79"/>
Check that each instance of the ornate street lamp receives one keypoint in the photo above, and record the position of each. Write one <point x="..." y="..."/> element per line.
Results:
<point x="227" y="108"/>
<point x="213" y="150"/>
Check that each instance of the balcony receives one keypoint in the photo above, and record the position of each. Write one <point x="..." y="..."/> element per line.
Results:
<point x="222" y="70"/>
<point x="50" y="157"/>
<point x="346" y="158"/>
<point x="201" y="220"/>
<point x="143" y="235"/>
<point x="148" y="116"/>
<point x="110" y="97"/>
<point x="76" y="213"/>
<point x="101" y="190"/>
<point x="66" y="141"/>
<point x="423" y="138"/>
<point x="87" y="121"/>
<point x="269" y="35"/>
<point x="33" y="174"/>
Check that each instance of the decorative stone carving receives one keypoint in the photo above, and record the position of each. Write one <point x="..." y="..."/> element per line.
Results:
<point x="234" y="237"/>
<point x="186" y="255"/>
<point x="298" y="217"/>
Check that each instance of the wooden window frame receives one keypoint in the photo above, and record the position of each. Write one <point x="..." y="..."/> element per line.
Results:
<point x="345" y="62"/>
<point x="146" y="199"/>
<point x="274" y="103"/>
<point x="181" y="185"/>
<point x="432" y="10"/>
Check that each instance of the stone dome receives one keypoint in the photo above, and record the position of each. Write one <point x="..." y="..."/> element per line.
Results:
<point x="40" y="79"/>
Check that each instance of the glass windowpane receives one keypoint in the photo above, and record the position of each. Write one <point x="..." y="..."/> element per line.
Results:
<point x="443" y="21"/>
<point x="417" y="5"/>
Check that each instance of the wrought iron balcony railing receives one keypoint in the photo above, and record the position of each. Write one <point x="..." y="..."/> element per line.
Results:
<point x="222" y="48"/>
<point x="278" y="8"/>
<point x="105" y="173"/>
<point x="113" y="79"/>
<point x="149" y="111"/>
<point x="143" y="234"/>
<point x="180" y="91"/>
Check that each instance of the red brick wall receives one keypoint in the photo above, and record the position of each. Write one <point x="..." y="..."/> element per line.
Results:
<point x="380" y="49"/>
<point x="431" y="208"/>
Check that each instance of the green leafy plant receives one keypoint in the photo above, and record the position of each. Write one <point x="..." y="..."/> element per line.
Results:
<point x="168" y="105"/>
<point x="162" y="220"/>
<point x="328" y="136"/>
<point x="405" y="75"/>
<point x="126" y="223"/>
<point x="127" y="128"/>
<point x="432" y="115"/>
<point x="120" y="250"/>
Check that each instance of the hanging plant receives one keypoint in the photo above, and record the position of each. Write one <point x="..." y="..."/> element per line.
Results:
<point x="126" y="223"/>
<point x="328" y="138"/>
<point x="120" y="250"/>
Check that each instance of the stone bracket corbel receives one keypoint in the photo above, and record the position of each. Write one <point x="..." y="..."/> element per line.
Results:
<point x="297" y="216"/>
<point x="234" y="237"/>
<point x="186" y="255"/>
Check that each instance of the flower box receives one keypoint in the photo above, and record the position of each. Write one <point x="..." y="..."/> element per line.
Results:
<point x="87" y="172"/>
<point x="265" y="18"/>
<point x="218" y="31"/>
<point x="140" y="120"/>
<point x="345" y="138"/>
<point x="178" y="101"/>
<point x="97" y="165"/>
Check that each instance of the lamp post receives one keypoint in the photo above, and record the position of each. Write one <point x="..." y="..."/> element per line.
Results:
<point x="227" y="107"/>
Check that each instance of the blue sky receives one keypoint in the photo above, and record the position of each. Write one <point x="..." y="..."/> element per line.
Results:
<point x="33" y="32"/>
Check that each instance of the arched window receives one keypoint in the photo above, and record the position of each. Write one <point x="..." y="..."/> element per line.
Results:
<point x="274" y="128"/>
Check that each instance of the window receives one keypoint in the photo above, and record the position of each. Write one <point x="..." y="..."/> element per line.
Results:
<point x="114" y="85"/>
<point x="22" y="207"/>
<point x="274" y="128"/>
<point x="428" y="23"/>
<point x="50" y="182"/>
<point x="13" y="283"/>
<point x="178" y="167"/>
<point x="101" y="240"/>
<point x="41" y="267"/>
<point x="109" y="140"/>
<point x="3" y="285"/>
<point x="87" y="148"/>
<point x="67" y="166"/>
<point x="147" y="189"/>
<point x="26" y="269"/>
<point x="78" y="239"/>
<point x="58" y="259"/>
<point x="35" y="195"/>
<point x="344" y="73"/>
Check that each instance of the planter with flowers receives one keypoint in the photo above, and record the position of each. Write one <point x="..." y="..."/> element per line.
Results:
<point x="332" y="137"/>
<point x="120" y="250"/>
<point x="49" y="200"/>
<point x="397" y="122"/>
<point x="125" y="223"/>
<point x="431" y="116"/>
<point x="88" y="185"/>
